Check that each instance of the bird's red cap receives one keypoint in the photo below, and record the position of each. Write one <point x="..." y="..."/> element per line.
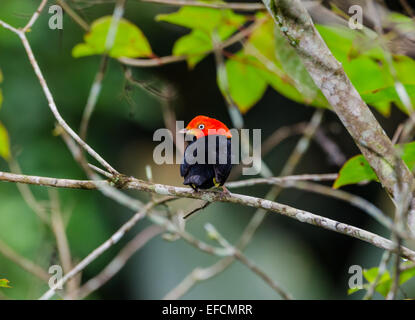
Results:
<point x="201" y="126"/>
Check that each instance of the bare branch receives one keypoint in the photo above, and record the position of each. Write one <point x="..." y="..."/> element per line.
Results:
<point x="34" y="16"/>
<point x="237" y="254"/>
<point x="381" y="270"/>
<point x="73" y="15"/>
<point x="119" y="261"/>
<point x="282" y="180"/>
<point x="281" y="134"/>
<point x="28" y="196"/>
<point x="354" y="200"/>
<point x="101" y="249"/>
<point x="24" y="263"/>
<point x="51" y="101"/>
<point x="59" y="230"/>
<point x="99" y="77"/>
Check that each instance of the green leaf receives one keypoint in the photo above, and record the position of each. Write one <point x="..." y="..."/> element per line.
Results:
<point x="402" y="22"/>
<point x="294" y="67"/>
<point x="384" y="284"/>
<point x="353" y="290"/>
<point x="205" y="19"/>
<point x="194" y="45"/>
<point x="4" y="283"/>
<point x="280" y="65"/>
<point x="388" y="95"/>
<point x="407" y="274"/>
<point x="4" y="143"/>
<point x="203" y="22"/>
<point x="1" y="95"/>
<point x="246" y="82"/>
<point x="357" y="169"/>
<point x="365" y="63"/>
<point x="262" y="37"/>
<point x="408" y="155"/>
<point x="370" y="275"/>
<point x="405" y="68"/>
<point x="129" y="41"/>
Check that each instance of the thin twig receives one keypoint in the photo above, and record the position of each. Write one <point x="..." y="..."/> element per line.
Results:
<point x="81" y="22"/>
<point x="28" y="196"/>
<point x="99" y="77"/>
<point x="34" y="16"/>
<point x="407" y="8"/>
<point x="119" y="261"/>
<point x="201" y="207"/>
<point x="237" y="254"/>
<point x="117" y="236"/>
<point x="282" y="180"/>
<point x="51" y="100"/>
<point x="24" y="263"/>
<point x="281" y="134"/>
<point x="59" y="230"/>
<point x="354" y="200"/>
<point x="93" y="96"/>
<point x="381" y="270"/>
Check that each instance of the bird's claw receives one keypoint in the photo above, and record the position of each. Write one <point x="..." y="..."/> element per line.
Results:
<point x="225" y="190"/>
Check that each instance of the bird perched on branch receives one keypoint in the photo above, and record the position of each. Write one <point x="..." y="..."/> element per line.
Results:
<point x="207" y="158"/>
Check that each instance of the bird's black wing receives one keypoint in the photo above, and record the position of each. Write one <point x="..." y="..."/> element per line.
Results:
<point x="192" y="147"/>
<point x="184" y="166"/>
<point x="223" y="168"/>
<point x="200" y="176"/>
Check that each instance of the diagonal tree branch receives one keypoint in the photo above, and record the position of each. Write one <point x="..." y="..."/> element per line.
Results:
<point x="297" y="27"/>
<point x="24" y="263"/>
<point x="35" y="16"/>
<point x="49" y="97"/>
<point x="119" y="261"/>
<point x="237" y="254"/>
<point x="100" y="250"/>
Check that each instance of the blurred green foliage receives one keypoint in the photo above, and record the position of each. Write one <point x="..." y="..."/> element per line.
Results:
<point x="308" y="262"/>
<point x="385" y="281"/>
<point x="129" y="40"/>
<point x="357" y="169"/>
<point x="4" y="283"/>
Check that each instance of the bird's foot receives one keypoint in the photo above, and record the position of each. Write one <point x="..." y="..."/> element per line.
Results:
<point x="225" y="190"/>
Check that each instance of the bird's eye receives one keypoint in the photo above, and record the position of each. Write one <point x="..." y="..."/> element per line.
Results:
<point x="201" y="126"/>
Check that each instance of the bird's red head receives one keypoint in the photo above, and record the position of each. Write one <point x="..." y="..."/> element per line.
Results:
<point x="201" y="126"/>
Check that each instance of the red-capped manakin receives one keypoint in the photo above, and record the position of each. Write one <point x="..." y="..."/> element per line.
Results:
<point x="207" y="175"/>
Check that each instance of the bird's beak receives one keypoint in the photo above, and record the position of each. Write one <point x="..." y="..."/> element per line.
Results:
<point x="193" y="132"/>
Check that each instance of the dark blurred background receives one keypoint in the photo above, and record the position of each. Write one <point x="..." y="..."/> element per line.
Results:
<point x="308" y="261"/>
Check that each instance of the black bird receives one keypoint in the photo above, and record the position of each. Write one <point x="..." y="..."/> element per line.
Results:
<point x="207" y="159"/>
